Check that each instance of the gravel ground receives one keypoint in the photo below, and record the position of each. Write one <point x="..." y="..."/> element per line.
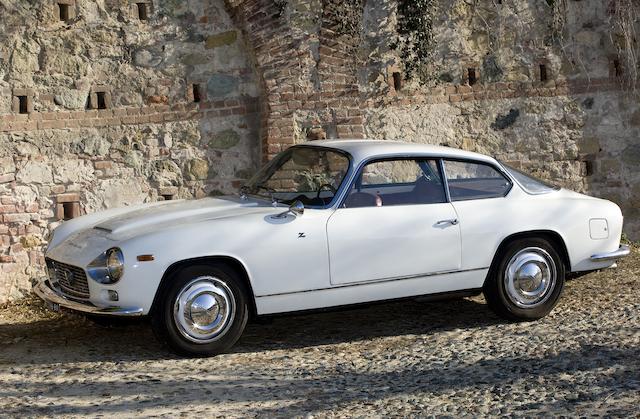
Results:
<point x="411" y="358"/>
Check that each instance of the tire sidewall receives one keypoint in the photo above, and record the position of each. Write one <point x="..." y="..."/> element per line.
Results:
<point x="166" y="322"/>
<point x="498" y="286"/>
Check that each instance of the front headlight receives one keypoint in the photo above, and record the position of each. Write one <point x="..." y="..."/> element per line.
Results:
<point x="115" y="263"/>
<point x="107" y="268"/>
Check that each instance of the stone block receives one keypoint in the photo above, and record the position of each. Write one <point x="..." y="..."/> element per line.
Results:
<point x="224" y="139"/>
<point x="220" y="85"/>
<point x="197" y="169"/>
<point x="221" y="39"/>
<point x="68" y="197"/>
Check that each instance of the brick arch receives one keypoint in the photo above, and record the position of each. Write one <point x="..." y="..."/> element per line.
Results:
<point x="301" y="90"/>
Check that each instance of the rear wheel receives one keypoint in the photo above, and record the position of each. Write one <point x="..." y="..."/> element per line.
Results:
<point x="527" y="280"/>
<point x="203" y="312"/>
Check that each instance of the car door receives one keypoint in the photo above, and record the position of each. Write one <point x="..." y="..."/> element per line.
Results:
<point x="477" y="191"/>
<point x="395" y="222"/>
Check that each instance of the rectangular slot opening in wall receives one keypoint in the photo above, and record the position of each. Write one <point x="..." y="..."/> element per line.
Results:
<point x="68" y="208"/>
<point x="101" y="100"/>
<point x="473" y="79"/>
<point x="143" y="12"/>
<point x="543" y="72"/>
<point x="617" y="68"/>
<point x="63" y="10"/>
<point x="397" y="81"/>
<point x="196" y="93"/>
<point x="23" y="106"/>
<point x="167" y="197"/>
<point x="588" y="168"/>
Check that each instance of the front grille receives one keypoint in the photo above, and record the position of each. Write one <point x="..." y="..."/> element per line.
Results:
<point x="70" y="280"/>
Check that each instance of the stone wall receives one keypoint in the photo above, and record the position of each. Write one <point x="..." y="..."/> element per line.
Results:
<point x="538" y="86"/>
<point x="158" y="138"/>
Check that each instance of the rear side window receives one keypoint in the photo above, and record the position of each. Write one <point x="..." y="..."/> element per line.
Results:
<point x="397" y="182"/>
<point x="529" y="183"/>
<point x="470" y="180"/>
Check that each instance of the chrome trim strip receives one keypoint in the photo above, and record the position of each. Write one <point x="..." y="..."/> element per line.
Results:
<point x="445" y="181"/>
<point x="49" y="295"/>
<point x="375" y="281"/>
<point x="623" y="251"/>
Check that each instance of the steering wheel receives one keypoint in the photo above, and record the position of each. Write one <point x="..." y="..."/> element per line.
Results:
<point x="326" y="185"/>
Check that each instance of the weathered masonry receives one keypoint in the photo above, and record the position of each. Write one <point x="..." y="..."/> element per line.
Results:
<point x="115" y="102"/>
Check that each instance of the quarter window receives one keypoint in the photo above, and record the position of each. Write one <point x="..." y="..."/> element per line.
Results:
<point x="397" y="182"/>
<point x="469" y="180"/>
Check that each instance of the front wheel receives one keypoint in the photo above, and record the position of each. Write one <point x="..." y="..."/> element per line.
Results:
<point x="203" y="311"/>
<point x="527" y="280"/>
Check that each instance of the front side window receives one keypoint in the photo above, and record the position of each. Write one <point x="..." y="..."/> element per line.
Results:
<point x="397" y="182"/>
<point x="312" y="175"/>
<point x="471" y="180"/>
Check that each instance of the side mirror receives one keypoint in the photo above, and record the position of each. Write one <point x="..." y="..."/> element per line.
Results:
<point x="296" y="208"/>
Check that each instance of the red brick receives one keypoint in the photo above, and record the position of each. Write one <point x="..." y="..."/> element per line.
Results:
<point x="155" y="118"/>
<point x="72" y="123"/>
<point x="170" y="116"/>
<point x="78" y="114"/>
<point x="5" y="209"/>
<point x="17" y="218"/>
<point x="9" y="177"/>
<point x="101" y="165"/>
<point x="24" y="126"/>
<point x="48" y="116"/>
<point x="6" y="259"/>
<point x="50" y="124"/>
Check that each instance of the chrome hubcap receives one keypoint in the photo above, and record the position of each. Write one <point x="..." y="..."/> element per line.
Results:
<point x="204" y="309"/>
<point x="530" y="277"/>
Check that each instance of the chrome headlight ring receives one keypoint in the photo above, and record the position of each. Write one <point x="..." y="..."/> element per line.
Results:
<point x="107" y="268"/>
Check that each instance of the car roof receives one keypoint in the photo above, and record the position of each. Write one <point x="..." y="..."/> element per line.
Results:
<point x="363" y="149"/>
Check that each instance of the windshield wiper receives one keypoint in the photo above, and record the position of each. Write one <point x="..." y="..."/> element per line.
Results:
<point x="271" y="191"/>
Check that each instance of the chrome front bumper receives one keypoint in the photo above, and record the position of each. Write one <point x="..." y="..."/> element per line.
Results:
<point x="623" y="251"/>
<point x="55" y="301"/>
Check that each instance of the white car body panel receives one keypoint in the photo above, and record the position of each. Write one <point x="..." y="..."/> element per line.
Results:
<point x="334" y="256"/>
<point x="374" y="243"/>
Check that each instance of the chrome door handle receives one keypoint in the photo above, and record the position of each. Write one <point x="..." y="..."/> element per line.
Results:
<point x="452" y="221"/>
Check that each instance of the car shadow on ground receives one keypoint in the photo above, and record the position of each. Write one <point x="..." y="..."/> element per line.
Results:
<point x="53" y="340"/>
<point x="301" y="394"/>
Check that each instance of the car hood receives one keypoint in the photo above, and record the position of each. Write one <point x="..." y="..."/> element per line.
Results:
<point x="172" y="213"/>
<point x="76" y="241"/>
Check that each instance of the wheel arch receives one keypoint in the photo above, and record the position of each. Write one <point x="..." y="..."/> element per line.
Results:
<point x="228" y="261"/>
<point x="553" y="237"/>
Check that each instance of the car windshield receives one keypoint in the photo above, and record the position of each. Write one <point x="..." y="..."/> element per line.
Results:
<point x="529" y="183"/>
<point x="311" y="175"/>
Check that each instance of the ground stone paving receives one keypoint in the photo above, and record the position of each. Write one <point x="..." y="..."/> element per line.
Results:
<point x="413" y="358"/>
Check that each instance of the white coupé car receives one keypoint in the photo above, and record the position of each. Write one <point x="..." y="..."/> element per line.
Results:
<point x="332" y="223"/>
